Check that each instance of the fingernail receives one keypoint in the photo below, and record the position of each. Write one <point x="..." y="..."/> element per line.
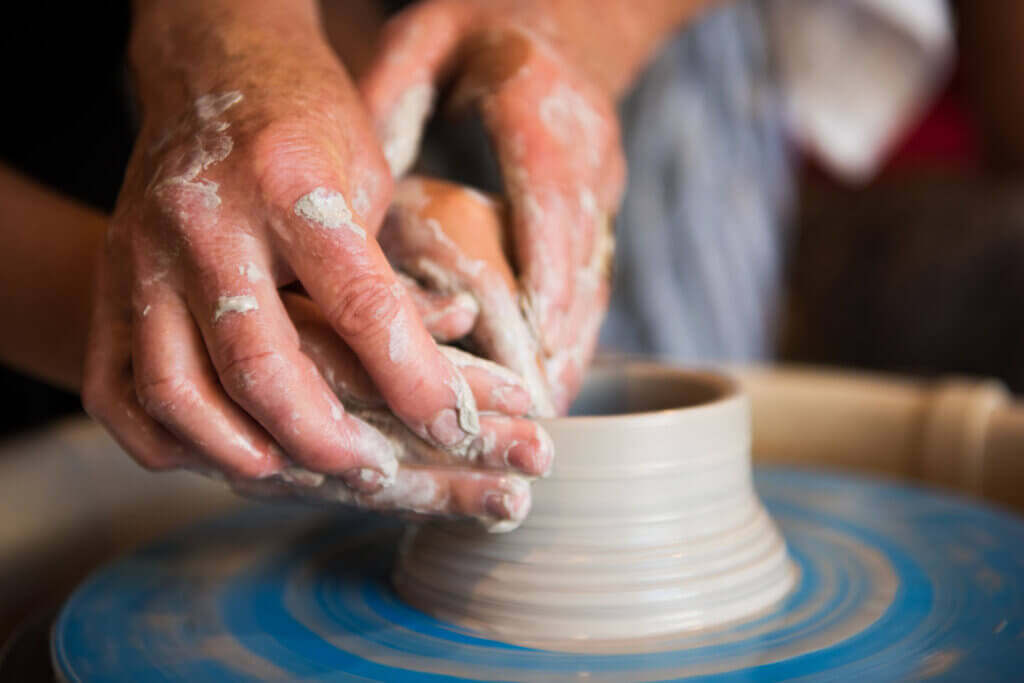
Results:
<point x="498" y="505"/>
<point x="507" y="506"/>
<point x="445" y="428"/>
<point x="531" y="457"/>
<point x="364" y="480"/>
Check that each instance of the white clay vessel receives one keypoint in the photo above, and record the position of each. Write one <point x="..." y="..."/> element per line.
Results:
<point x="648" y="525"/>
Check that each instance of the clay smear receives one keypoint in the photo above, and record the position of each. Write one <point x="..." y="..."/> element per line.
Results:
<point x="571" y="120"/>
<point x="401" y="134"/>
<point x="252" y="273"/>
<point x="243" y="303"/>
<point x="210" y="145"/>
<point x="327" y="209"/>
<point x="398" y="338"/>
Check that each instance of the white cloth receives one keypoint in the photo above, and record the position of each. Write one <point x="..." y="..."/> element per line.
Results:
<point x="702" y="232"/>
<point x="855" y="73"/>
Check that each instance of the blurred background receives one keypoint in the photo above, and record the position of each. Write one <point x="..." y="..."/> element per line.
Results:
<point x="900" y="239"/>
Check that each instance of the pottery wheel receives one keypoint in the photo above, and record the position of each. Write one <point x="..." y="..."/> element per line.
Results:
<point x="896" y="583"/>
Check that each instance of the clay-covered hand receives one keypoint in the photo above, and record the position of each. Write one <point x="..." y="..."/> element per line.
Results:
<point x="453" y="241"/>
<point x="541" y="85"/>
<point x="488" y="483"/>
<point x="256" y="167"/>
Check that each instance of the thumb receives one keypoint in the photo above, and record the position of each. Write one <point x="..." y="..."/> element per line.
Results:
<point x="401" y="84"/>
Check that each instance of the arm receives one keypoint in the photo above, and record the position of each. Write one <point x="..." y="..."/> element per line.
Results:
<point x="612" y="40"/>
<point x="46" y="275"/>
<point x="47" y="248"/>
<point x="256" y="168"/>
<point x="544" y="77"/>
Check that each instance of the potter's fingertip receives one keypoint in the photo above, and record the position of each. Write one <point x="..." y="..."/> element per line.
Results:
<point x="467" y="304"/>
<point x="459" y="323"/>
<point x="510" y="501"/>
<point x="447" y="429"/>
<point x="517" y="492"/>
<point x="498" y="505"/>
<point x="365" y="480"/>
<point x="532" y="458"/>
<point x="300" y="476"/>
<point x="502" y="527"/>
<point x="523" y="457"/>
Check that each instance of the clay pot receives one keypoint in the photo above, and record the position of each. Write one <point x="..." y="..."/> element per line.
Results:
<point x="648" y="526"/>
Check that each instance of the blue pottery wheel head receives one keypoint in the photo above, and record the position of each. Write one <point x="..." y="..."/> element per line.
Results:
<point x="895" y="583"/>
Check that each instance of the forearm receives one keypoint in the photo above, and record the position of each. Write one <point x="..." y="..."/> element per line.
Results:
<point x="622" y="36"/>
<point x="182" y="49"/>
<point x="48" y="244"/>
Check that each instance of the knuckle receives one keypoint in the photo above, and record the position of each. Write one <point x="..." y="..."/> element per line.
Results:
<point x="246" y="371"/>
<point x="159" y="397"/>
<point x="363" y="306"/>
<point x="289" y="160"/>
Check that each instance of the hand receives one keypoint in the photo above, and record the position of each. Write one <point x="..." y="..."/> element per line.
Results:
<point x="430" y="482"/>
<point x="453" y="241"/>
<point x="235" y="190"/>
<point x="530" y="69"/>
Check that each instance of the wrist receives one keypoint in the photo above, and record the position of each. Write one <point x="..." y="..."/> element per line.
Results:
<point x="617" y="38"/>
<point x="182" y="49"/>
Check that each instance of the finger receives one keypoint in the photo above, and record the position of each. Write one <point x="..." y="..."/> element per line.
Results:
<point x="452" y="239"/>
<point x="495" y="387"/>
<point x="554" y="137"/>
<point x="109" y="398"/>
<point x="335" y="361"/>
<point x="178" y="389"/>
<point x="347" y="275"/>
<point x="255" y="350"/>
<point x="566" y="367"/>
<point x="400" y="86"/>
<point x="108" y="393"/>
<point x="512" y="444"/>
<point x="504" y="443"/>
<point x="446" y="316"/>
<point x="500" y="501"/>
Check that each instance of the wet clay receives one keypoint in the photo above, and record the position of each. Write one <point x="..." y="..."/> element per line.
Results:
<point x="649" y="525"/>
